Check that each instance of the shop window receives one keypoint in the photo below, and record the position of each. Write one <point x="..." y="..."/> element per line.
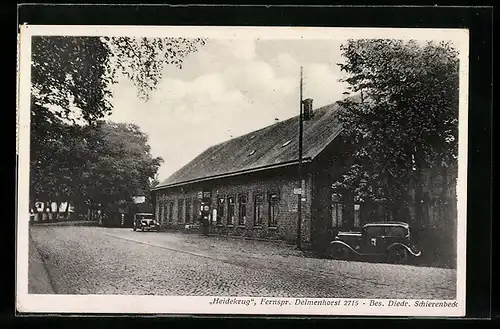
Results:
<point x="273" y="210"/>
<point x="258" y="209"/>
<point x="242" y="210"/>
<point x="220" y="210"/>
<point x="337" y="210"/>
<point x="230" y="211"/>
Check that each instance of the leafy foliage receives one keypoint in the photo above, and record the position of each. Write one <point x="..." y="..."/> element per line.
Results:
<point x="142" y="59"/>
<point x="403" y="118"/>
<point x="69" y="72"/>
<point x="73" y="75"/>
<point x="119" y="164"/>
<point x="101" y="164"/>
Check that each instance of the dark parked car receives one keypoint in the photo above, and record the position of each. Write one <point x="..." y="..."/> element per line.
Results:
<point x="145" y="222"/>
<point x="387" y="241"/>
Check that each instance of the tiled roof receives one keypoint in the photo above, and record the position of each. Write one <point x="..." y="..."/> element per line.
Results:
<point x="268" y="147"/>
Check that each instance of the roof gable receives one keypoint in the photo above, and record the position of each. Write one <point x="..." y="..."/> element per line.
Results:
<point x="262" y="148"/>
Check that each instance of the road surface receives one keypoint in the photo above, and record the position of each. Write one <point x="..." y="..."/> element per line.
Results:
<point x="97" y="260"/>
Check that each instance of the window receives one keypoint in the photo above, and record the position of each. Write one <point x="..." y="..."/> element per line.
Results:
<point x="165" y="213"/>
<point x="170" y="212"/>
<point x="220" y="210"/>
<point x="337" y="210"/>
<point x="273" y="210"/>
<point x="376" y="231"/>
<point x="180" y="210"/>
<point x="187" y="215"/>
<point x="162" y="213"/>
<point x="242" y="213"/>
<point x="357" y="215"/>
<point x="357" y="211"/>
<point x="258" y="209"/>
<point x="196" y="206"/>
<point x="396" y="231"/>
<point x="230" y="211"/>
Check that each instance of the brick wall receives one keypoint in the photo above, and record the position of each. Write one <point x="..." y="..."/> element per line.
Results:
<point x="281" y="183"/>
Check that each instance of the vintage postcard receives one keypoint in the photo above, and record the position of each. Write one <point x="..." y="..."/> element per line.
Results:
<point x="242" y="170"/>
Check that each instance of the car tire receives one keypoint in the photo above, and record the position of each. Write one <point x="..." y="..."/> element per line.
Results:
<point x="398" y="256"/>
<point x="340" y="252"/>
<point x="134" y="229"/>
<point x="142" y="229"/>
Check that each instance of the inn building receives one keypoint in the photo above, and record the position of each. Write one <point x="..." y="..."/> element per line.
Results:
<point x="251" y="182"/>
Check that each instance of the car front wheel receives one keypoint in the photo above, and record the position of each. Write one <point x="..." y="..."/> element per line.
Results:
<point x="398" y="256"/>
<point x="340" y="252"/>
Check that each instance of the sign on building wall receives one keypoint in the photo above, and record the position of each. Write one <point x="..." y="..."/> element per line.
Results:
<point x="139" y="199"/>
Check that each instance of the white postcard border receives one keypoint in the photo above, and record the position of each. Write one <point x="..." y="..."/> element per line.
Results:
<point x="197" y="304"/>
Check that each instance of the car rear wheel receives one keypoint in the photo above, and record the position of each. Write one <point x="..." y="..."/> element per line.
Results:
<point x="398" y="256"/>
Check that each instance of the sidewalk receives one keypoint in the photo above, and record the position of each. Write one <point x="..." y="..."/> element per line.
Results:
<point x="66" y="223"/>
<point x="38" y="280"/>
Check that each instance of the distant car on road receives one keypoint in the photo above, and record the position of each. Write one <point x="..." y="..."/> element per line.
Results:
<point x="387" y="241"/>
<point x="145" y="222"/>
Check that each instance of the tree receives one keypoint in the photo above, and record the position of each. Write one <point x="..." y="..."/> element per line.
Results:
<point x="403" y="119"/>
<point x="71" y="79"/>
<point x="119" y="164"/>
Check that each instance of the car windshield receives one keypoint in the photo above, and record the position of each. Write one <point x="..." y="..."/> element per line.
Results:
<point x="144" y="217"/>
<point x="396" y="231"/>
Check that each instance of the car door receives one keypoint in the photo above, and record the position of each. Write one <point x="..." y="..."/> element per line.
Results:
<point x="396" y="234"/>
<point x="374" y="240"/>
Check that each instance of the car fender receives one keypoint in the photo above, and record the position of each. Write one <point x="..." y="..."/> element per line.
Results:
<point x="415" y="253"/>
<point x="342" y="243"/>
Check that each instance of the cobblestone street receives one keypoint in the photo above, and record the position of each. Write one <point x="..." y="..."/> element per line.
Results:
<point x="96" y="260"/>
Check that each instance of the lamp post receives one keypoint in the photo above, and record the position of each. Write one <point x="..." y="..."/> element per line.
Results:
<point x="299" y="206"/>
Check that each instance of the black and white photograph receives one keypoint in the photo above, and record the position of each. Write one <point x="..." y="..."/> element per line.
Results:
<point x="242" y="170"/>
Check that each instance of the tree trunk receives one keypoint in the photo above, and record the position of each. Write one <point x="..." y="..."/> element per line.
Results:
<point x="58" y="206"/>
<point x="66" y="211"/>
<point x="419" y="193"/>
<point x="49" y="213"/>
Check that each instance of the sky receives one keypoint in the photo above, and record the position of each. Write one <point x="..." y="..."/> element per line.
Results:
<point x="228" y="88"/>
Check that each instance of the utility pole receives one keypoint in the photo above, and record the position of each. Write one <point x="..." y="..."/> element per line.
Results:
<point x="299" y="206"/>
